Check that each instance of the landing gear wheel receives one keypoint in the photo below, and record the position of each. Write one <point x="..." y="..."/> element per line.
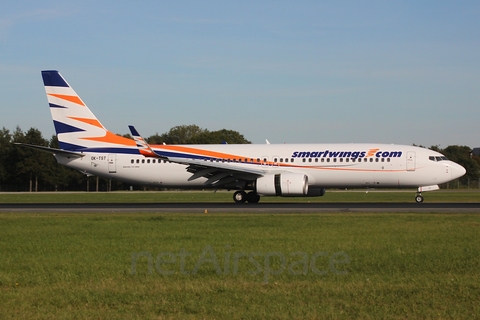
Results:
<point x="253" y="197"/>
<point x="419" y="198"/>
<point x="240" y="196"/>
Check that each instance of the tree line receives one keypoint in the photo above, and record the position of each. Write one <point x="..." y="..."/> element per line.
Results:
<point x="25" y="169"/>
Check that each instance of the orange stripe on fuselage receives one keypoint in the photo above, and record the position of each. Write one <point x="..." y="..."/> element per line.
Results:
<point x="147" y="153"/>
<point x="114" y="138"/>
<point x="74" y="99"/>
<point x="93" y="122"/>
<point x="201" y="152"/>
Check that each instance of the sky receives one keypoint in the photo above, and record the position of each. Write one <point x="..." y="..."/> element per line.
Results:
<point x="402" y="72"/>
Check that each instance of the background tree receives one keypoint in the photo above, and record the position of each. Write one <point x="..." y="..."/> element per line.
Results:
<point x="5" y="150"/>
<point x="193" y="134"/>
<point x="220" y="136"/>
<point x="183" y="134"/>
<point x="156" y="139"/>
<point x="31" y="165"/>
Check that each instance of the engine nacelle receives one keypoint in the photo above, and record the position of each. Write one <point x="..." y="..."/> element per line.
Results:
<point x="284" y="184"/>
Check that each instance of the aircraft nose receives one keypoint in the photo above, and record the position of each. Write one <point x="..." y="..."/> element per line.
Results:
<point x="457" y="171"/>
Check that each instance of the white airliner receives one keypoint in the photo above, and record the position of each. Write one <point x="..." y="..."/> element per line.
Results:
<point x="288" y="170"/>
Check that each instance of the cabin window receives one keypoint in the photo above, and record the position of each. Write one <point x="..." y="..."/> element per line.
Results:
<point x="132" y="161"/>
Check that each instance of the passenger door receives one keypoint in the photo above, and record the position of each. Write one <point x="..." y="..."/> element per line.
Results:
<point x="410" y="161"/>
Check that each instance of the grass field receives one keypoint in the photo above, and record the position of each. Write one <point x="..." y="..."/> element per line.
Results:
<point x="334" y="195"/>
<point x="277" y="266"/>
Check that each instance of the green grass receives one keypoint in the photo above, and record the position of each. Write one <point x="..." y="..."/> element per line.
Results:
<point x="333" y="195"/>
<point x="394" y="266"/>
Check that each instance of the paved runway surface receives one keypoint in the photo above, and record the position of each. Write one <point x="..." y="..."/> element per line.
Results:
<point x="278" y="207"/>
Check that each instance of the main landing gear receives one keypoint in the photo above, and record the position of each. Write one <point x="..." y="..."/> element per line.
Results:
<point x="241" y="196"/>
<point x="419" y="197"/>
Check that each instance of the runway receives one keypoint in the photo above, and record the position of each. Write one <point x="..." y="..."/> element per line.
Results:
<point x="267" y="207"/>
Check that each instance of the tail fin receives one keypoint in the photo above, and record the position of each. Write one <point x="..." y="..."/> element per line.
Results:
<point x="76" y="126"/>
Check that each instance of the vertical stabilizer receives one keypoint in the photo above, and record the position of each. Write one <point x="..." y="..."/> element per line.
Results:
<point x="76" y="126"/>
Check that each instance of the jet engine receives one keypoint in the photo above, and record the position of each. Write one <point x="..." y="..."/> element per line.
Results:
<point x="282" y="184"/>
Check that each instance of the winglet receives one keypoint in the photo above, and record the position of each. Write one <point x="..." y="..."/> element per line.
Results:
<point x="142" y="145"/>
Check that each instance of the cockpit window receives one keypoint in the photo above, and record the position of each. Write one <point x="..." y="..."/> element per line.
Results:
<point x="437" y="158"/>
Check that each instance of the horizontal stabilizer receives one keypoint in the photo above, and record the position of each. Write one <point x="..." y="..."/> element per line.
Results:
<point x="52" y="150"/>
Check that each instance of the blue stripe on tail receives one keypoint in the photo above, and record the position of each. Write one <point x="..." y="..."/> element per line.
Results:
<point x="51" y="78"/>
<point x="61" y="127"/>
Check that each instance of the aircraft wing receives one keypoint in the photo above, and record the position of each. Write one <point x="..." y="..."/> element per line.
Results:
<point x="217" y="173"/>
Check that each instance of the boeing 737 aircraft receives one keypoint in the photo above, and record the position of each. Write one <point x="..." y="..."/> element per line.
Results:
<point x="287" y="170"/>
